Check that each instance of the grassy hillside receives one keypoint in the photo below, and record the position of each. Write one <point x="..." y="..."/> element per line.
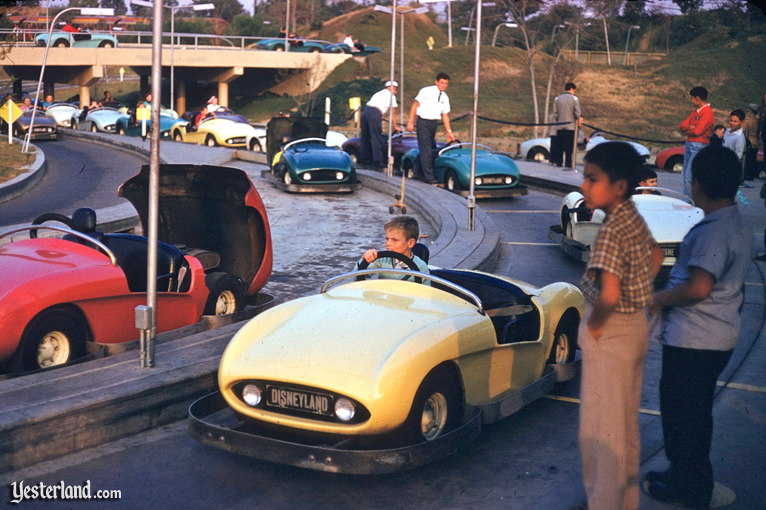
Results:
<point x="648" y="100"/>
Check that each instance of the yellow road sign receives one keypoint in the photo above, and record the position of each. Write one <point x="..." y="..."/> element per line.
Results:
<point x="15" y="112"/>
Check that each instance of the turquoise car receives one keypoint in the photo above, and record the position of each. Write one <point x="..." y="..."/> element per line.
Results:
<point x="298" y="45"/>
<point x="77" y="40"/>
<point x="496" y="173"/>
<point x="344" y="48"/>
<point x="128" y="125"/>
<point x="309" y="165"/>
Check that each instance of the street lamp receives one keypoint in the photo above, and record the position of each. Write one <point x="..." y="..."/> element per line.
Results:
<point x="625" y="56"/>
<point x="553" y="32"/>
<point x="173" y="9"/>
<point x="392" y="10"/>
<point x="402" y="12"/>
<point x="87" y="11"/>
<point x="501" y="25"/>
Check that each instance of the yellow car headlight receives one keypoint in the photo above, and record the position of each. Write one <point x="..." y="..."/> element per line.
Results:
<point x="252" y="395"/>
<point x="345" y="409"/>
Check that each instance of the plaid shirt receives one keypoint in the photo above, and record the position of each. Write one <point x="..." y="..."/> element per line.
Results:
<point x="622" y="247"/>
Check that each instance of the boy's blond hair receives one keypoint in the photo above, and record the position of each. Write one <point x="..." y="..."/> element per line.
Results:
<point x="406" y="224"/>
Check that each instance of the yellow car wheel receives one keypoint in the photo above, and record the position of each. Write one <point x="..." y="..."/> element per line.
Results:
<point x="564" y="345"/>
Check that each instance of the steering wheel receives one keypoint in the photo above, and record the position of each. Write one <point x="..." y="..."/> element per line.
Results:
<point x="51" y="217"/>
<point x="394" y="255"/>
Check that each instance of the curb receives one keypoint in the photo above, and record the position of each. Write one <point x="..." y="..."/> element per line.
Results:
<point x="23" y="182"/>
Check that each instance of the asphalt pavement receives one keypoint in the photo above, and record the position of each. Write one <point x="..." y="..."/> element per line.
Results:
<point x="51" y="414"/>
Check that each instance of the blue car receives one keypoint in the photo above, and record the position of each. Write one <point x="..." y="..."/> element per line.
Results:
<point x="128" y="125"/>
<point x="496" y="173"/>
<point x="77" y="40"/>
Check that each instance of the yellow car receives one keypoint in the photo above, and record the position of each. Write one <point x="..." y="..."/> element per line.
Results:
<point x="370" y="375"/>
<point x="217" y="131"/>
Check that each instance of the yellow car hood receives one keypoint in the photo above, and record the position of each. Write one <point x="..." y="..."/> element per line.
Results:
<point x="346" y="339"/>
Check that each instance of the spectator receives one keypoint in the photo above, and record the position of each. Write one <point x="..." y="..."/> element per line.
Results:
<point x="648" y="180"/>
<point x="700" y="324"/>
<point x="372" y="147"/>
<point x="734" y="138"/>
<point x="430" y="104"/>
<point x="566" y="108"/>
<point x="750" y="128"/>
<point x="613" y="335"/>
<point x="716" y="137"/>
<point x="697" y="129"/>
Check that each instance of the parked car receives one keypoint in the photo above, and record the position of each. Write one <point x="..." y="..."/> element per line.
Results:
<point x="671" y="159"/>
<point x="496" y="173"/>
<point x="344" y="48"/>
<point x="61" y="113"/>
<point x="77" y="39"/>
<point x="44" y="127"/>
<point x="102" y="119"/>
<point x="669" y="216"/>
<point x="378" y="375"/>
<point x="400" y="144"/>
<point x="59" y="295"/>
<point x="539" y="149"/>
<point x="304" y="159"/>
<point x="297" y="45"/>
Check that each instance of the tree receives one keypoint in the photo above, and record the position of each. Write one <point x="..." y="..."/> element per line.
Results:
<point x="225" y="9"/>
<point x="688" y="5"/>
<point x="606" y="9"/>
<point x="118" y="6"/>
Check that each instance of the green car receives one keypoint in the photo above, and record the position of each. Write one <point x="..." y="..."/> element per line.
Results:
<point x="298" y="45"/>
<point x="301" y="161"/>
<point x="496" y="173"/>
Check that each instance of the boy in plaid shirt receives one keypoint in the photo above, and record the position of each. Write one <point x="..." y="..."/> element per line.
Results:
<point x="613" y="336"/>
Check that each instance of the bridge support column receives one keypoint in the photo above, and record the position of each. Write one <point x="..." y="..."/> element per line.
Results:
<point x="17" y="89"/>
<point x="85" y="79"/>
<point x="223" y="93"/>
<point x="224" y="79"/>
<point x="180" y="91"/>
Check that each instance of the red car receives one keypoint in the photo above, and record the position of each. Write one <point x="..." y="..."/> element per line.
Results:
<point x="57" y="295"/>
<point x="672" y="159"/>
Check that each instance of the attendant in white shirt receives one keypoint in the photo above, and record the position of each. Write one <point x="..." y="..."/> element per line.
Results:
<point x="372" y="143"/>
<point x="430" y="105"/>
<point x="734" y="138"/>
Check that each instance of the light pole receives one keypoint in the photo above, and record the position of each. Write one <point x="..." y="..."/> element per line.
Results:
<point x="173" y="9"/>
<point x="553" y="32"/>
<point x="501" y="25"/>
<point x="392" y="10"/>
<point x="625" y="56"/>
<point x="402" y="12"/>
<point x="87" y="11"/>
<point x="477" y="58"/>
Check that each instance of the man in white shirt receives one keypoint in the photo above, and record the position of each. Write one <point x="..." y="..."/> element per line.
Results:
<point x="371" y="149"/>
<point x="734" y="139"/>
<point x="429" y="106"/>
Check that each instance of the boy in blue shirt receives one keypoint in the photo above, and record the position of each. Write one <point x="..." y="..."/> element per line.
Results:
<point x="700" y="327"/>
<point x="402" y="233"/>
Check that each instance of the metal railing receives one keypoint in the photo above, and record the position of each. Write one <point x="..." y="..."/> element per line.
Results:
<point x="26" y="37"/>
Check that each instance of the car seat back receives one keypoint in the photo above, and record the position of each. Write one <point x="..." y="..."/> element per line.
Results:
<point x="131" y="252"/>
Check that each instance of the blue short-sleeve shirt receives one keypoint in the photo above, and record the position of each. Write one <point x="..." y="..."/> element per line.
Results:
<point x="721" y="244"/>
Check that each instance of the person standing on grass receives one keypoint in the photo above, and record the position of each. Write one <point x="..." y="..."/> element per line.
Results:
<point x="697" y="129"/>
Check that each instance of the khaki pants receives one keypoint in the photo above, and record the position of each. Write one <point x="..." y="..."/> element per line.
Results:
<point x="612" y="374"/>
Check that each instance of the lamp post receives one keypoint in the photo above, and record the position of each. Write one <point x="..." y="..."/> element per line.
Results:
<point x="392" y="10"/>
<point x="625" y="56"/>
<point x="477" y="58"/>
<point x="87" y="11"/>
<point x="501" y="25"/>
<point x="553" y="32"/>
<point x="173" y="9"/>
<point x="402" y="12"/>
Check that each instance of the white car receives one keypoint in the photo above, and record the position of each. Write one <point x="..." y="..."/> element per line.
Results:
<point x="539" y="149"/>
<point x="62" y="113"/>
<point x="668" y="214"/>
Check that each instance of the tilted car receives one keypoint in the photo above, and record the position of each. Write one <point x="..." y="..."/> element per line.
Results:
<point x="400" y="144"/>
<point x="496" y="173"/>
<point x="668" y="214"/>
<point x="102" y="119"/>
<point x="59" y="295"/>
<point x="344" y="48"/>
<point x="44" y="127"/>
<point x="378" y="375"/>
<point x="297" y="45"/>
<point x="61" y="113"/>
<point x="77" y="40"/>
<point x="304" y="159"/>
<point x="539" y="149"/>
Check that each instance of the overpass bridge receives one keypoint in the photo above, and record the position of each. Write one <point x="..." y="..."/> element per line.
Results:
<point x="259" y="70"/>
